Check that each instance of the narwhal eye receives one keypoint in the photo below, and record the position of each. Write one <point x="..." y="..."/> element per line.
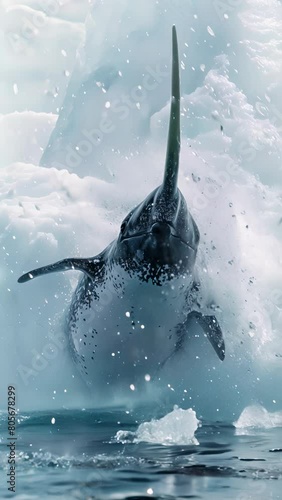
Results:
<point x="123" y="227"/>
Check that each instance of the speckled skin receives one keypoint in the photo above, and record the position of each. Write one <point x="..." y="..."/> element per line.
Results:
<point x="122" y="325"/>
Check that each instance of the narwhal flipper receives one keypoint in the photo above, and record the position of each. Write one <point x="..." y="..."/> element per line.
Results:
<point x="211" y="329"/>
<point x="88" y="266"/>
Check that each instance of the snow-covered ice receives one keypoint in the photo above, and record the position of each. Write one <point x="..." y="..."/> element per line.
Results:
<point x="257" y="417"/>
<point x="176" y="428"/>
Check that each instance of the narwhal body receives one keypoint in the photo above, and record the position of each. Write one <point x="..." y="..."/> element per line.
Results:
<point x="135" y="306"/>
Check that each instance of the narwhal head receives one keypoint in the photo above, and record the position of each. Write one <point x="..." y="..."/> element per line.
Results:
<point x="161" y="231"/>
<point x="159" y="238"/>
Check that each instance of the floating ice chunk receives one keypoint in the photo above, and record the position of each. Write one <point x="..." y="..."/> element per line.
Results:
<point x="176" y="428"/>
<point x="257" y="416"/>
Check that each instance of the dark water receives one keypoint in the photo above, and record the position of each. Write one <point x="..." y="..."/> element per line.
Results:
<point x="78" y="457"/>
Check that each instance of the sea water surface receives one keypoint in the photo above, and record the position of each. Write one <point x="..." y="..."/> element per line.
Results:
<point x="111" y="454"/>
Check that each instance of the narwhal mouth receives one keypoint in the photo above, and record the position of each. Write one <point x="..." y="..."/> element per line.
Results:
<point x="160" y="231"/>
<point x="133" y="236"/>
<point x="184" y="242"/>
<point x="164" y="230"/>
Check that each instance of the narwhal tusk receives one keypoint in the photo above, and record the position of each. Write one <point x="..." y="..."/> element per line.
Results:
<point x="173" y="144"/>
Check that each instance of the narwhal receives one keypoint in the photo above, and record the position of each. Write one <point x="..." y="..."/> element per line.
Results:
<point x="134" y="307"/>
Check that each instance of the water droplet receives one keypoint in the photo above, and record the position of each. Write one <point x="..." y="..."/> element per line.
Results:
<point x="210" y="31"/>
